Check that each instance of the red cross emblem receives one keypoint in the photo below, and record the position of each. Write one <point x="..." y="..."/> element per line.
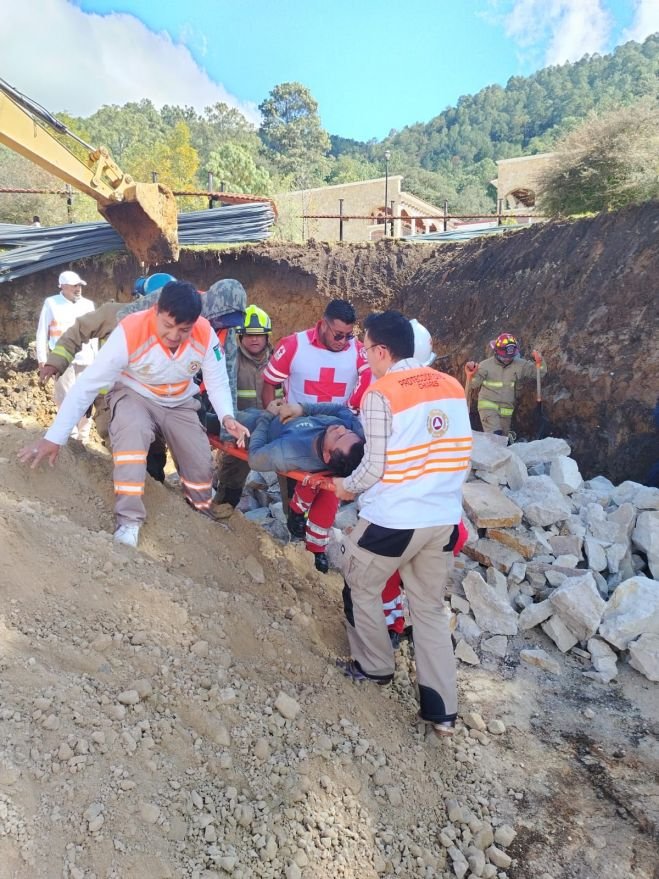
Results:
<point x="324" y="388"/>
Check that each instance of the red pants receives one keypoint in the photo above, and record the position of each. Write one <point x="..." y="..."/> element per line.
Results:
<point x="392" y="597"/>
<point x="321" y="506"/>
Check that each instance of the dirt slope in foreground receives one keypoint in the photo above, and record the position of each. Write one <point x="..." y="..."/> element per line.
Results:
<point x="193" y="771"/>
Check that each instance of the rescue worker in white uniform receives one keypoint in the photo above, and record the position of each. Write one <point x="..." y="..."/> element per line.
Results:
<point x="58" y="314"/>
<point x="418" y="448"/>
<point x="150" y="361"/>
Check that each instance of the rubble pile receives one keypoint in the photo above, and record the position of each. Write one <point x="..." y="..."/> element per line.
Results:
<point x="579" y="559"/>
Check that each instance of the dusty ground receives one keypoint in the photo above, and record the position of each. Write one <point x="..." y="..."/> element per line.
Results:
<point x="202" y="776"/>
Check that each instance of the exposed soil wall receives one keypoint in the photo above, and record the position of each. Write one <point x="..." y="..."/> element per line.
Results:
<point x="584" y="293"/>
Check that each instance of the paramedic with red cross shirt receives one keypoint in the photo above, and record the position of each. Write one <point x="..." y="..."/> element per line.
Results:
<point x="323" y="364"/>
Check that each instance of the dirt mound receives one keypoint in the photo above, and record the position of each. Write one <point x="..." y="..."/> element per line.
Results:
<point x="144" y="732"/>
<point x="584" y="293"/>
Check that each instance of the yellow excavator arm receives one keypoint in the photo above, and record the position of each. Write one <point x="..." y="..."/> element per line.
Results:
<point x="144" y="214"/>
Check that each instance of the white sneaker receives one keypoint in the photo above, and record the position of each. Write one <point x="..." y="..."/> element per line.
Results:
<point x="127" y="534"/>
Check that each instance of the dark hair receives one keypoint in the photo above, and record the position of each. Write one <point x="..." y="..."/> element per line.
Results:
<point x="340" y="309"/>
<point x="393" y="330"/>
<point x="181" y="301"/>
<point x="343" y="463"/>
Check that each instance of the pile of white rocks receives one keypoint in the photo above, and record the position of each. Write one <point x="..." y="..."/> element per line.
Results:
<point x="580" y="559"/>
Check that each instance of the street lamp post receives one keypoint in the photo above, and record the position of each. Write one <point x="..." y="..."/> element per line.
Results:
<point x="387" y="156"/>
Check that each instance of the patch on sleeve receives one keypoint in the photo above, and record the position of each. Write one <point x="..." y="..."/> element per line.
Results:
<point x="217" y="350"/>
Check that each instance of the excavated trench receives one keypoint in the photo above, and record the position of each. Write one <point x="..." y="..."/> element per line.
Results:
<point x="584" y="293"/>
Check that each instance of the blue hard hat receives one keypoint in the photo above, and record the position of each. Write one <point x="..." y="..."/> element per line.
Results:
<point x="150" y="283"/>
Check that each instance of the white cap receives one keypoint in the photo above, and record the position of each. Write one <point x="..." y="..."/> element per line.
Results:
<point x="422" y="344"/>
<point x="71" y="278"/>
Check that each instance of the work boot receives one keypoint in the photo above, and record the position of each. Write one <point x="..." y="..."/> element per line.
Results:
<point x="297" y="524"/>
<point x="232" y="496"/>
<point x="321" y="562"/>
<point x="219" y="512"/>
<point x="128" y="535"/>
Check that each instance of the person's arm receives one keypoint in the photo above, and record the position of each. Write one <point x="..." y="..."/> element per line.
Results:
<point x="377" y="423"/>
<point x="42" y="334"/>
<point x="102" y="373"/>
<point x="529" y="367"/>
<point x="268" y="394"/>
<point x="278" y="368"/>
<point x="93" y="325"/>
<point x="216" y="381"/>
<point x="479" y="376"/>
<point x="265" y="454"/>
<point x="339" y="410"/>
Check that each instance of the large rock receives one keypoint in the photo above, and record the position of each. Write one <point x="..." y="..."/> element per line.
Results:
<point x="644" y="656"/>
<point x="579" y="605"/>
<point x="559" y="633"/>
<point x="488" y="507"/>
<point x="541" y="500"/>
<point x="519" y="539"/>
<point x="564" y="472"/>
<point x="534" y="614"/>
<point x="632" y="610"/>
<point x="515" y="472"/>
<point x="565" y="544"/>
<point x="625" y="515"/>
<point x="487" y="455"/>
<point x="493" y="613"/>
<point x="540" y="451"/>
<point x="646" y="498"/>
<point x="595" y="554"/>
<point x="492" y="554"/>
<point x="603" y="658"/>
<point x="646" y="538"/>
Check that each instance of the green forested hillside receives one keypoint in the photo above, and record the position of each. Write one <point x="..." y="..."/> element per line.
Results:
<point x="451" y="157"/>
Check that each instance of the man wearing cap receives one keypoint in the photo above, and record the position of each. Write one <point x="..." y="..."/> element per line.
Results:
<point x="58" y="314"/>
<point x="497" y="377"/>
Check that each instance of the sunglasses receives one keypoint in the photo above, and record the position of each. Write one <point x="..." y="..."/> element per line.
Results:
<point x="339" y="337"/>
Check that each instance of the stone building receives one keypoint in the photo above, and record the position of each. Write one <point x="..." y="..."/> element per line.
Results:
<point x="299" y="211"/>
<point x="518" y="183"/>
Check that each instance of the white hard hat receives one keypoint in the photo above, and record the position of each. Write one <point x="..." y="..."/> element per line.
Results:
<point x="422" y="344"/>
<point x="71" y="278"/>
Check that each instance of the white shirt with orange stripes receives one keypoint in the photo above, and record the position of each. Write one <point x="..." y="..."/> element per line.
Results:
<point x="134" y="357"/>
<point x="427" y="451"/>
<point x="58" y="314"/>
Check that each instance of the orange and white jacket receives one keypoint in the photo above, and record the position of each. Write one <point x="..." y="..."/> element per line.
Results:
<point x="58" y="314"/>
<point x="427" y="454"/>
<point x="134" y="357"/>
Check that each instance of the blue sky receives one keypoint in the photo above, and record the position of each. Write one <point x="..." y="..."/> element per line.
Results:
<point x="372" y="66"/>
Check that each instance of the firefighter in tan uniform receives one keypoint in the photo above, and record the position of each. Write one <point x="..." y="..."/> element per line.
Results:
<point x="149" y="362"/>
<point x="498" y="377"/>
<point x="254" y="351"/>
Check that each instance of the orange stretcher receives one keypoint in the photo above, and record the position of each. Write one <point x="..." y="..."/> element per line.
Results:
<point x="314" y="480"/>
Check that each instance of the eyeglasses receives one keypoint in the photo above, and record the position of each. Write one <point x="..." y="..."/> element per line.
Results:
<point x="339" y="337"/>
<point x="377" y="345"/>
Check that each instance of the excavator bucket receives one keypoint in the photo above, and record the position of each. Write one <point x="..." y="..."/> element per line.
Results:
<point x="147" y="221"/>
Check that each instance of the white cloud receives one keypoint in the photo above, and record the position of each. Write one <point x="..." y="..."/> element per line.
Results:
<point x="67" y="59"/>
<point x="646" y="21"/>
<point x="573" y="28"/>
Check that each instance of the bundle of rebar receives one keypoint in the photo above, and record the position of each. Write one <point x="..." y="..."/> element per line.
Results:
<point x="39" y="248"/>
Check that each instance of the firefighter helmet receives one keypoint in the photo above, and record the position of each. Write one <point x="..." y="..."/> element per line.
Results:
<point x="505" y="345"/>
<point x="257" y="322"/>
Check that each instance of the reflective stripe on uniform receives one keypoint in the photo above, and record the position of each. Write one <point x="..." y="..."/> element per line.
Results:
<point x="129" y="488"/>
<point x="490" y="384"/>
<point x="504" y="411"/>
<point x="130" y="457"/>
<point x="247" y="395"/>
<point x="62" y="352"/>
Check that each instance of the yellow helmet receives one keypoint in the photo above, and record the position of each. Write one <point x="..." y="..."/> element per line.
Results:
<point x="257" y="322"/>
